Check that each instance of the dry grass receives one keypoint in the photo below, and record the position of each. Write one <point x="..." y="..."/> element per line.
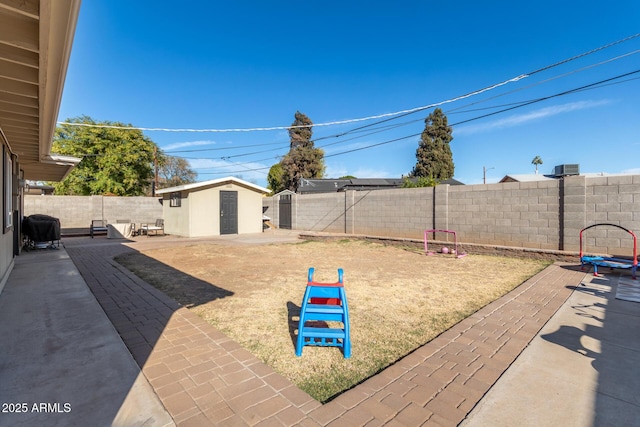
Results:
<point x="398" y="299"/>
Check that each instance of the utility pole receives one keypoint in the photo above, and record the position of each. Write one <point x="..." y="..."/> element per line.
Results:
<point x="484" y="174"/>
<point x="155" y="175"/>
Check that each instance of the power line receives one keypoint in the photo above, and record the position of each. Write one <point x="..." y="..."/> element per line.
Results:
<point x="587" y="67"/>
<point x="397" y="115"/>
<point x="594" y="85"/>
<point x="579" y="89"/>
<point x="505" y="93"/>
<point x="333" y="123"/>
<point x="374" y="117"/>
<point x="222" y="148"/>
<point x="361" y="129"/>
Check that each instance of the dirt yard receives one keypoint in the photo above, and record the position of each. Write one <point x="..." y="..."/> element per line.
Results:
<point x="399" y="298"/>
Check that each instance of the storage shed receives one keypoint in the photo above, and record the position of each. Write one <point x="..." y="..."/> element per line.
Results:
<point x="211" y="208"/>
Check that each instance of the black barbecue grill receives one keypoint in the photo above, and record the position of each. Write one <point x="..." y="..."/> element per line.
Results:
<point x="41" y="231"/>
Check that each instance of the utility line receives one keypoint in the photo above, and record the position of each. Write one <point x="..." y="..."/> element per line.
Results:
<point x="519" y="105"/>
<point x="449" y="112"/>
<point x="500" y="95"/>
<point x="223" y="148"/>
<point x="379" y="116"/>
<point x="392" y="126"/>
<point x="510" y="107"/>
<point x="579" y="89"/>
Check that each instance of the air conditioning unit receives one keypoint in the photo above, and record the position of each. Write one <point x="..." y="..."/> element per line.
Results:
<point x="565" y="170"/>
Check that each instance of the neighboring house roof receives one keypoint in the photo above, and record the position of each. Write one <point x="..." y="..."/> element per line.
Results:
<point x="37" y="38"/>
<point x="533" y="177"/>
<point x="213" y="183"/>
<point x="38" y="188"/>
<point x="451" y="181"/>
<point x="308" y="186"/>
<point x="526" y="178"/>
<point x="372" y="183"/>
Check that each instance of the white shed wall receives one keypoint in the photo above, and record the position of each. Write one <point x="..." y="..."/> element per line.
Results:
<point x="199" y="213"/>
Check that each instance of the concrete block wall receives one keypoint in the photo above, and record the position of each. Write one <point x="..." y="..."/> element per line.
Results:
<point x="270" y="209"/>
<point x="509" y="214"/>
<point x="79" y="211"/>
<point x="389" y="213"/>
<point x="73" y="211"/>
<point x="136" y="209"/>
<point x="319" y="212"/>
<point x="545" y="215"/>
<point x="615" y="200"/>
<point x="573" y="211"/>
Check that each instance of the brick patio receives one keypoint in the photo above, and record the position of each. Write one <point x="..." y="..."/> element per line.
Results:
<point x="205" y="378"/>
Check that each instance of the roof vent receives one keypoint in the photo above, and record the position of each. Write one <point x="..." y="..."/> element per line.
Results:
<point x="565" y="170"/>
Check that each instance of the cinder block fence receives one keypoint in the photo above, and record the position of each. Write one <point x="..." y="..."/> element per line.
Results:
<point x="546" y="215"/>
<point x="79" y="211"/>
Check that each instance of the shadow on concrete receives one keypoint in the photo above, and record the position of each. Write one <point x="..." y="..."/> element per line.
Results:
<point x="61" y="358"/>
<point x="571" y="338"/>
<point x="604" y="330"/>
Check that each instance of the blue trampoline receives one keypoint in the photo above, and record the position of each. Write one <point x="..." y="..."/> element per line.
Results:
<point x="599" y="261"/>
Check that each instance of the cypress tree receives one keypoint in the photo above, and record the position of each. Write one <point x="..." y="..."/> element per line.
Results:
<point x="433" y="156"/>
<point x="303" y="159"/>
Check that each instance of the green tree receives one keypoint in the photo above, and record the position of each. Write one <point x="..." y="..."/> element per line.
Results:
<point x="114" y="161"/>
<point x="421" y="181"/>
<point x="275" y="178"/>
<point x="434" y="158"/>
<point x="301" y="131"/>
<point x="537" y="160"/>
<point x="303" y="160"/>
<point x="175" y="171"/>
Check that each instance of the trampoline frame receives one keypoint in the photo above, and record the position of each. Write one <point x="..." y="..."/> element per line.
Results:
<point x="610" y="262"/>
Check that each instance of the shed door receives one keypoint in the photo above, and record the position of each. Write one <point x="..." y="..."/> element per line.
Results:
<point x="228" y="212"/>
<point x="285" y="211"/>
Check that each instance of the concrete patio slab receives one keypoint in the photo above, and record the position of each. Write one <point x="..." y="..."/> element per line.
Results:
<point x="62" y="362"/>
<point x="582" y="369"/>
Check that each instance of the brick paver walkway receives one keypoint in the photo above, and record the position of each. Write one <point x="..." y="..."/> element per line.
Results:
<point x="205" y="378"/>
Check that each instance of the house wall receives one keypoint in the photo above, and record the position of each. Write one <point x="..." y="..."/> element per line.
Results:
<point x="539" y="215"/>
<point x="6" y="235"/>
<point x="6" y="257"/>
<point x="79" y="211"/>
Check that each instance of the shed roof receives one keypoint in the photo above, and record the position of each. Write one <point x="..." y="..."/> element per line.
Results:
<point x="213" y="183"/>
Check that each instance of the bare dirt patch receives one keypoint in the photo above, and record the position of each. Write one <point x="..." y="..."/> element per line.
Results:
<point x="399" y="299"/>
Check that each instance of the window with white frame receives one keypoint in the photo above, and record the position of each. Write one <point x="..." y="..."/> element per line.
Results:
<point x="175" y="199"/>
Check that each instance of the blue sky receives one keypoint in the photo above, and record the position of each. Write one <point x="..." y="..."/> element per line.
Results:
<point x="253" y="64"/>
